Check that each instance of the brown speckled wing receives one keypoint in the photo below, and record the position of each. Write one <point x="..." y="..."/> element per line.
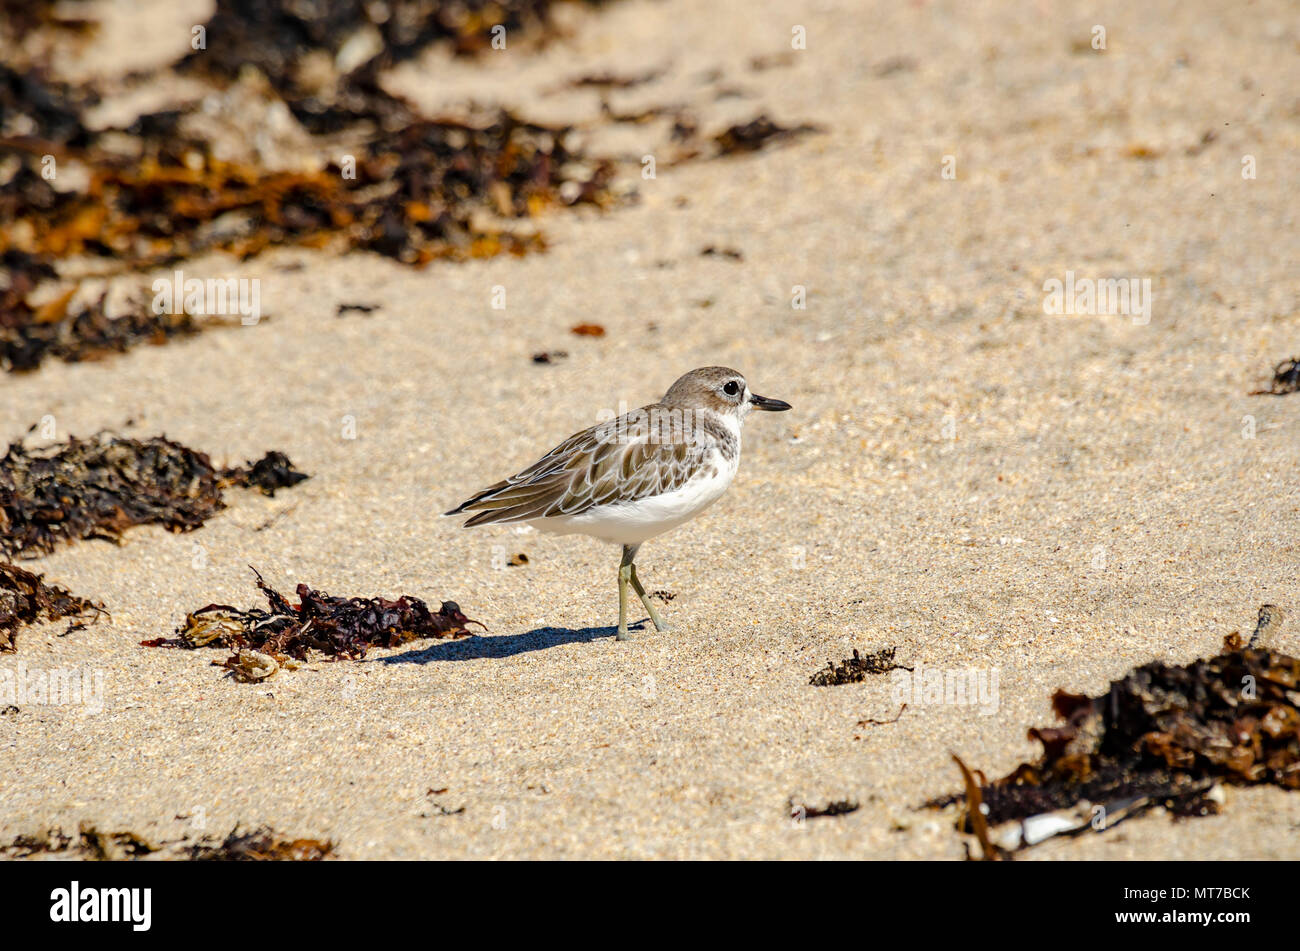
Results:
<point x="610" y="462"/>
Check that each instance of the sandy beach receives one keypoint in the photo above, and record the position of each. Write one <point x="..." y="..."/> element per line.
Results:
<point x="965" y="476"/>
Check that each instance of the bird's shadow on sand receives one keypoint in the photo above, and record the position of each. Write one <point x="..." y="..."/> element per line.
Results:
<point x="479" y="647"/>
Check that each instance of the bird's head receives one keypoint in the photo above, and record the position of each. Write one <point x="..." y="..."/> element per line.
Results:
<point x="720" y="389"/>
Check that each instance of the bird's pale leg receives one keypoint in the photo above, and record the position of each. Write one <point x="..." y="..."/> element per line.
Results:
<point x="659" y="623"/>
<point x="624" y="575"/>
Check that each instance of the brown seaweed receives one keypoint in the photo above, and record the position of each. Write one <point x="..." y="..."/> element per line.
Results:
<point x="411" y="195"/>
<point x="974" y="815"/>
<point x="839" y="807"/>
<point x="414" y="194"/>
<point x="610" y="80"/>
<point x="47" y="110"/>
<point x="403" y="186"/>
<point x="25" y="598"/>
<point x="89" y="844"/>
<point x="855" y="669"/>
<point x="1164" y="734"/>
<point x="1286" y="379"/>
<point x="28" y="335"/>
<point x="334" y="626"/>
<point x="262" y="844"/>
<point x="756" y="134"/>
<point x="100" y="486"/>
<point x="278" y="36"/>
<point x="92" y="844"/>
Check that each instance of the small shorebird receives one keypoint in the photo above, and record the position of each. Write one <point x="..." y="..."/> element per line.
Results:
<point x="634" y="477"/>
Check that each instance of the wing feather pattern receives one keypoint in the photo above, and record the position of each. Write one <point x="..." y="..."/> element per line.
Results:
<point x="641" y="454"/>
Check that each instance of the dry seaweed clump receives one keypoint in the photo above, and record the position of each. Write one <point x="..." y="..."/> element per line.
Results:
<point x="167" y="188"/>
<point x="260" y="845"/>
<point x="266" y="640"/>
<point x="159" y="190"/>
<point x="28" y="334"/>
<point x="1163" y="735"/>
<point x="756" y="134"/>
<point x="33" y="105"/>
<point x="324" y="58"/>
<point x="100" y="486"/>
<point x="1286" y="379"/>
<point x="838" y="807"/>
<point x="19" y="17"/>
<point x="25" y="598"/>
<point x="857" y="668"/>
<point x="293" y="42"/>
<point x="424" y="191"/>
<point x="88" y="844"/>
<point x="92" y="844"/>
<point x="415" y="194"/>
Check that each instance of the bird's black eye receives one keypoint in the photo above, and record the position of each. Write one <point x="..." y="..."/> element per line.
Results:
<point x="732" y="388"/>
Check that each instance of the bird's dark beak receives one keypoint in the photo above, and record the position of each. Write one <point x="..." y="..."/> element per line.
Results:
<point x="772" y="406"/>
